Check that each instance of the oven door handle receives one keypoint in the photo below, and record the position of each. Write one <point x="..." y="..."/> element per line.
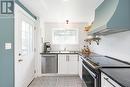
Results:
<point x="93" y="75"/>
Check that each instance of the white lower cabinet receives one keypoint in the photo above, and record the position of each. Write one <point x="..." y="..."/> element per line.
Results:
<point x="80" y="66"/>
<point x="67" y="63"/>
<point x="62" y="64"/>
<point x="108" y="82"/>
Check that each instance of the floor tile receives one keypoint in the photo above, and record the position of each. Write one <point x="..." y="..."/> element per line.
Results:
<point x="58" y="81"/>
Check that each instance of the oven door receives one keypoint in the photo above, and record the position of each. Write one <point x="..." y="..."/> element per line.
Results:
<point x="89" y="77"/>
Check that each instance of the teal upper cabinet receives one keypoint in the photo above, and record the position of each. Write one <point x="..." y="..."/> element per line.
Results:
<point x="112" y="16"/>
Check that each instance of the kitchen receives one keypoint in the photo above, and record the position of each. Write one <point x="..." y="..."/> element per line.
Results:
<point x="73" y="44"/>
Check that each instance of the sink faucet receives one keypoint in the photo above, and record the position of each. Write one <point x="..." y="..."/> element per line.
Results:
<point x="65" y="49"/>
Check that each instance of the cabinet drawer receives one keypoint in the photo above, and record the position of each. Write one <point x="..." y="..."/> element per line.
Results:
<point x="108" y="82"/>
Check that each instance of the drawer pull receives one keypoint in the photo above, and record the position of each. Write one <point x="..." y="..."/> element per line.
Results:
<point x="107" y="79"/>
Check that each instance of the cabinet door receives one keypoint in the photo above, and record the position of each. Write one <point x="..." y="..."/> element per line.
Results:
<point x="80" y="67"/>
<point x="72" y="64"/>
<point x="107" y="82"/>
<point x="62" y="64"/>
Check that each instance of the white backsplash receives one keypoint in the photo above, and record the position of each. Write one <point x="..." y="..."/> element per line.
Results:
<point x="114" y="45"/>
<point x="81" y="37"/>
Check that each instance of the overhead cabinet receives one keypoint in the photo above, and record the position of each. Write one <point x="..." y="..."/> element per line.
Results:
<point x="67" y="63"/>
<point x="112" y="16"/>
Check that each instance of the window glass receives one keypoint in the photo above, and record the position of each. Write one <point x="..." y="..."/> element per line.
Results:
<point x="65" y="36"/>
<point x="27" y="38"/>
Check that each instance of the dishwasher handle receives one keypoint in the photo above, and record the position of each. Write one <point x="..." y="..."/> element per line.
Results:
<point x="49" y="55"/>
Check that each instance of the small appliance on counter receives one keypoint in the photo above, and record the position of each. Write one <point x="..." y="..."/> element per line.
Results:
<point x="47" y="47"/>
<point x="93" y="65"/>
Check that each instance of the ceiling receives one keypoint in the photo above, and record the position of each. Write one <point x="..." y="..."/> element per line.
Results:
<point x="62" y="10"/>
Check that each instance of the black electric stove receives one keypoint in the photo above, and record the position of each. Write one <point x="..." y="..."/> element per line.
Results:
<point x="99" y="61"/>
<point x="91" y="68"/>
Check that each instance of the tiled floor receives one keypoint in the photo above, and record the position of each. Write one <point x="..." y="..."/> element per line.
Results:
<point x="60" y="81"/>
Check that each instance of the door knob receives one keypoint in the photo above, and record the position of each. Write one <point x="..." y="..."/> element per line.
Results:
<point x="20" y="54"/>
<point x="20" y="60"/>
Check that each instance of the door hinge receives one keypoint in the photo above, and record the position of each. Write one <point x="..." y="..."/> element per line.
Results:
<point x="34" y="71"/>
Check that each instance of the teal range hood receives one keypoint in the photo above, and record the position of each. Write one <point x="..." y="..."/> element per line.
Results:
<point x="112" y="16"/>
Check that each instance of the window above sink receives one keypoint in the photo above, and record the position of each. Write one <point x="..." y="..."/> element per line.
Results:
<point x="65" y="36"/>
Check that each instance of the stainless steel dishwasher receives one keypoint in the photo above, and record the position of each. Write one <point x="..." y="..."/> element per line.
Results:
<point x="49" y="63"/>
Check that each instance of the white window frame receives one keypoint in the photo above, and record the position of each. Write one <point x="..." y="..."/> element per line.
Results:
<point x="30" y="41"/>
<point x="61" y="43"/>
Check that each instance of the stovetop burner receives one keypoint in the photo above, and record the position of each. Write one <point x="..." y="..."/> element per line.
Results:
<point x="105" y="62"/>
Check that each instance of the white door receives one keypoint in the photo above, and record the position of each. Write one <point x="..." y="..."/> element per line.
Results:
<point x="24" y="49"/>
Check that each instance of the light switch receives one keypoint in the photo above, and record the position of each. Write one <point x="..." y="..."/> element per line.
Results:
<point x="8" y="46"/>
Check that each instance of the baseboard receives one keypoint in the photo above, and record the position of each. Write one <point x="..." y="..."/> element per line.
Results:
<point x="59" y="75"/>
<point x="31" y="82"/>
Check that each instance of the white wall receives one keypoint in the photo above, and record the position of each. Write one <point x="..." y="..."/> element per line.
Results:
<point x="115" y="45"/>
<point x="39" y="33"/>
<point x="48" y="35"/>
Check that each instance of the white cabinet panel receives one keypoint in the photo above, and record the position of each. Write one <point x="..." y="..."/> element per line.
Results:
<point x="73" y="57"/>
<point x="68" y="64"/>
<point x="80" y="67"/>
<point x="73" y="64"/>
<point x="62" y="62"/>
<point x="107" y="82"/>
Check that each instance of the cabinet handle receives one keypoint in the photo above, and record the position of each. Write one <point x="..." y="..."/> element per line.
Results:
<point x="107" y="79"/>
<point x="20" y="60"/>
<point x="78" y="58"/>
<point x="68" y="58"/>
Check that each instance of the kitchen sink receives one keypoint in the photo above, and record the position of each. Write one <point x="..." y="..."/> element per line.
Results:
<point x="64" y="52"/>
